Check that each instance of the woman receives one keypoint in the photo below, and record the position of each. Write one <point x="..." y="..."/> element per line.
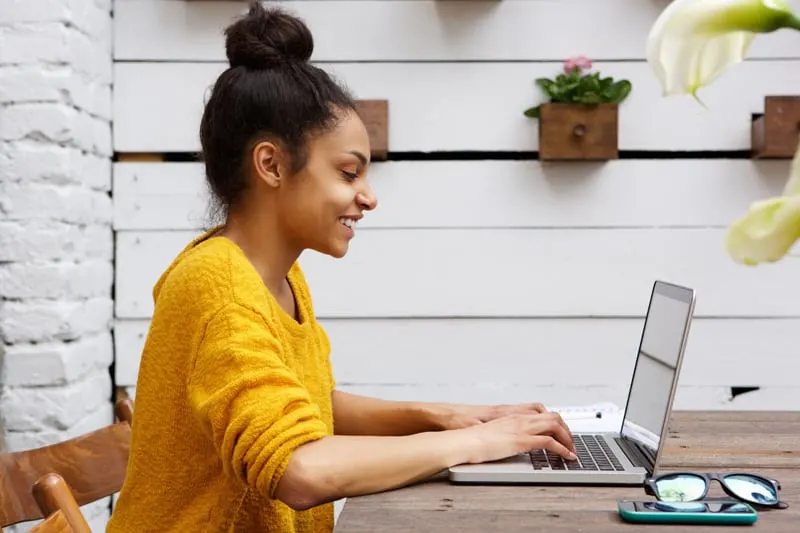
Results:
<point x="237" y="425"/>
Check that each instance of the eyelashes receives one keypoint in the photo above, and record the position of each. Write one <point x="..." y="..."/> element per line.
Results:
<point x="350" y="175"/>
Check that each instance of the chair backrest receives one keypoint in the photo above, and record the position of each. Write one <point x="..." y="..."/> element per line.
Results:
<point x="54" y="497"/>
<point x="55" y="523"/>
<point x="124" y="410"/>
<point x="93" y="466"/>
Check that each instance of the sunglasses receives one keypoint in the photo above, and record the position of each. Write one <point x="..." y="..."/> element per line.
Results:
<point x="688" y="487"/>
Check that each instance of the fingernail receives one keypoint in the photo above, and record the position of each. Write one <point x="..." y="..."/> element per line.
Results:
<point x="572" y="456"/>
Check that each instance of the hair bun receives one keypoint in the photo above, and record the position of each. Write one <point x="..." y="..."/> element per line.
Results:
<point x="267" y="37"/>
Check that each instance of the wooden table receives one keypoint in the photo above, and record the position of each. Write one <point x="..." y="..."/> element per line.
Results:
<point x="767" y="443"/>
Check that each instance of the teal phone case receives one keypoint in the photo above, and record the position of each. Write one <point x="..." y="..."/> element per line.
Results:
<point x="644" y="517"/>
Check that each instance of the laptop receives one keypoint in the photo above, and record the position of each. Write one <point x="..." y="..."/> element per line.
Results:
<point x="631" y="454"/>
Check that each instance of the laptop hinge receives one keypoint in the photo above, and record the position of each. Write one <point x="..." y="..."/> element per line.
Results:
<point x="637" y="454"/>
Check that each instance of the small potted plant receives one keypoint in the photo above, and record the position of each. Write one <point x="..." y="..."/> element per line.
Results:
<point x="580" y="119"/>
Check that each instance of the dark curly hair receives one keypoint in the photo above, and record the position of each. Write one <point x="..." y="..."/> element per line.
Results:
<point x="269" y="91"/>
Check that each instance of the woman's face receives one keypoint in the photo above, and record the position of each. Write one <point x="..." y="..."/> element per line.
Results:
<point x="321" y="205"/>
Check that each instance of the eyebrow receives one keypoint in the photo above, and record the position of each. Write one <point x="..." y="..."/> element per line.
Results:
<point x="361" y="157"/>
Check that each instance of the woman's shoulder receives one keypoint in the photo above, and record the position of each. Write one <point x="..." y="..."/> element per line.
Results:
<point x="210" y="271"/>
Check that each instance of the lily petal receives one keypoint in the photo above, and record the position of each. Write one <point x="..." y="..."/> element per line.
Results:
<point x="694" y="41"/>
<point x="766" y="233"/>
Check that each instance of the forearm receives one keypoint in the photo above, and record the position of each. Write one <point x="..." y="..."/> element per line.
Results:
<point x="360" y="415"/>
<point x="344" y="466"/>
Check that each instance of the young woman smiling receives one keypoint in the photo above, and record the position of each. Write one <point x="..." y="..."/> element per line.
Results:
<point x="238" y="425"/>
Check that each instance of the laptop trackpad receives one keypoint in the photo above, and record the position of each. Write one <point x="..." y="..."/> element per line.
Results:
<point x="515" y="463"/>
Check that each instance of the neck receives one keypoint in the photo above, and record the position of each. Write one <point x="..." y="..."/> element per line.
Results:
<point x="262" y="242"/>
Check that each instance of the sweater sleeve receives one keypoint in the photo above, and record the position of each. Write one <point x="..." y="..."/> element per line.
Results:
<point x="250" y="402"/>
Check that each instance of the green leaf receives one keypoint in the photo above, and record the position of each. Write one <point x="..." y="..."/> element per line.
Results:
<point x="590" y="83"/>
<point x="548" y="86"/>
<point x="617" y="92"/>
<point x="532" y="112"/>
<point x="591" y="98"/>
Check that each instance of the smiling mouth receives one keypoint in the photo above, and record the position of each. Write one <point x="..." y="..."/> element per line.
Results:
<point x="349" y="222"/>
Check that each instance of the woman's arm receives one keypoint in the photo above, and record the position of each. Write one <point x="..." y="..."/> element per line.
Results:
<point x="338" y="466"/>
<point x="269" y="435"/>
<point x="360" y="415"/>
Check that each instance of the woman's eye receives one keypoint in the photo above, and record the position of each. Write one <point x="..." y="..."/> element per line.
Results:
<point x="350" y="175"/>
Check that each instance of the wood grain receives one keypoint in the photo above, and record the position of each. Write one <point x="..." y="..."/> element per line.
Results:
<point x="53" y="495"/>
<point x="93" y="466"/>
<point x="578" y="132"/>
<point x="775" y="134"/>
<point x="436" y="505"/>
<point x="443" y="30"/>
<point x="463" y="106"/>
<point x="410" y="273"/>
<point x="375" y="116"/>
<point x="55" y="523"/>
<point x="677" y="193"/>
<point x="418" y="353"/>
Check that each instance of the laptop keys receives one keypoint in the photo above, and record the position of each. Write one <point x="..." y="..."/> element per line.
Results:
<point x="593" y="454"/>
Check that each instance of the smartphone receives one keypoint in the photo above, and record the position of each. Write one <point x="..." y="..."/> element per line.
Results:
<point x="700" y="512"/>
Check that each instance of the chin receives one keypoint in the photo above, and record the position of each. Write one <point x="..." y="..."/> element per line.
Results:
<point x="337" y="250"/>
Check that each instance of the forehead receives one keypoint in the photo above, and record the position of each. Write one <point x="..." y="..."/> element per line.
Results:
<point x="348" y="134"/>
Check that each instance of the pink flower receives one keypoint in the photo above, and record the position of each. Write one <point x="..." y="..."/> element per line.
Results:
<point x="580" y="63"/>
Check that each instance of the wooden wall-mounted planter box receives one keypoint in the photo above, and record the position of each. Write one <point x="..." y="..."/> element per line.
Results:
<point x="375" y="115"/>
<point x="578" y="131"/>
<point x="775" y="133"/>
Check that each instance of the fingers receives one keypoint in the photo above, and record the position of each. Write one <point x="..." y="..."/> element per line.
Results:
<point x="564" y="425"/>
<point x="550" y="444"/>
<point x="553" y="424"/>
<point x="562" y="432"/>
<point x="538" y="407"/>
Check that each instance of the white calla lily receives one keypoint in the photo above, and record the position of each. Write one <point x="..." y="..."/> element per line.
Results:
<point x="694" y="41"/>
<point x="770" y="227"/>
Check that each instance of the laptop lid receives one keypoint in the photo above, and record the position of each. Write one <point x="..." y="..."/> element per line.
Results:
<point x="655" y="374"/>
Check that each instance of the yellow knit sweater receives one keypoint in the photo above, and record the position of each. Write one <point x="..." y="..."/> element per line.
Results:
<point x="229" y="386"/>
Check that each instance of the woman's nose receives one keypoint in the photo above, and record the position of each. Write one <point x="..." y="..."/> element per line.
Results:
<point x="366" y="198"/>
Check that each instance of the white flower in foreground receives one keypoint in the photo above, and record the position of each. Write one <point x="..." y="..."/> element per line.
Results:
<point x="694" y="41"/>
<point x="771" y="227"/>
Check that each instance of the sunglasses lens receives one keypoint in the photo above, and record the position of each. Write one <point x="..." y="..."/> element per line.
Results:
<point x="751" y="489"/>
<point x="680" y="488"/>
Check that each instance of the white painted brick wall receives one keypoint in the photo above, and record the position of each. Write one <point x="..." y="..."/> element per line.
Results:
<point x="56" y="241"/>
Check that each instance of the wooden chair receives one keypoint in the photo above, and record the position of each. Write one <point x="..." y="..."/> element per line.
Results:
<point x="56" y="501"/>
<point x="55" y="523"/>
<point x="92" y="466"/>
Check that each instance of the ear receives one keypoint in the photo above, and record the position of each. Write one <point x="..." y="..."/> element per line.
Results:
<point x="268" y="163"/>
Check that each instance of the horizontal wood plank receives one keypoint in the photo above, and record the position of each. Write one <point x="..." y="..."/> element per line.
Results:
<point x="500" y="273"/>
<point x="436" y="505"/>
<point x="442" y="30"/>
<point x="560" y="361"/>
<point x="462" y="106"/>
<point x="488" y="194"/>
<point x="689" y="398"/>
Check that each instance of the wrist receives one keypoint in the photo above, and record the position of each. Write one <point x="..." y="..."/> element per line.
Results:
<point x="434" y="416"/>
<point x="454" y="445"/>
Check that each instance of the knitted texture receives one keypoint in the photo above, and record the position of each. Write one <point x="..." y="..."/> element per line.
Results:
<point x="229" y="386"/>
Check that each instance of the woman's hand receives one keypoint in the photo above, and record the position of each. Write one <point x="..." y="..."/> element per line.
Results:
<point x="517" y="433"/>
<point x="457" y="416"/>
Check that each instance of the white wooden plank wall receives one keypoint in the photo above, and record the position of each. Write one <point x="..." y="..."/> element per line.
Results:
<point x="487" y="280"/>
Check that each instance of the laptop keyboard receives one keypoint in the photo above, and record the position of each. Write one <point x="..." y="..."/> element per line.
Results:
<point x="593" y="454"/>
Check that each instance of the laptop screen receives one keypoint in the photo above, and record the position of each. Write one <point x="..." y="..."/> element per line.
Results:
<point x="660" y="352"/>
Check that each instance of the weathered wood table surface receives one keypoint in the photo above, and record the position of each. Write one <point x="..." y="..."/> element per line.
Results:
<point x="767" y="443"/>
